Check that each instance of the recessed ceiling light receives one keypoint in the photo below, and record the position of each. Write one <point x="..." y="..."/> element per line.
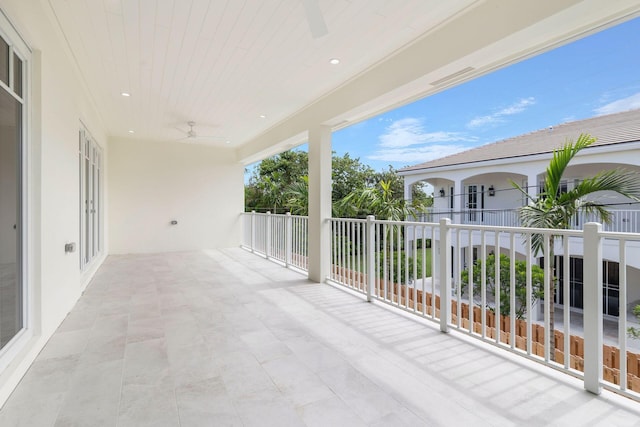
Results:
<point x="227" y="142"/>
<point x="131" y="131"/>
<point x="334" y="61"/>
<point x="126" y="94"/>
<point x="262" y="116"/>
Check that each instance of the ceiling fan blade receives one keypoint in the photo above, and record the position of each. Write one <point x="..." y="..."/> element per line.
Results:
<point x="315" y="19"/>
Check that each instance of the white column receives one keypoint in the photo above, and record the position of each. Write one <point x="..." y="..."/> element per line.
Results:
<point x="319" y="202"/>
<point x="407" y="190"/>
<point x="532" y="186"/>
<point x="458" y="202"/>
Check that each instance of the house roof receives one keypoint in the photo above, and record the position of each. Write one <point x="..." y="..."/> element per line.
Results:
<point x="610" y="129"/>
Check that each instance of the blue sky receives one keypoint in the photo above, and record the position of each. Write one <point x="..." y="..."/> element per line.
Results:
<point x="599" y="74"/>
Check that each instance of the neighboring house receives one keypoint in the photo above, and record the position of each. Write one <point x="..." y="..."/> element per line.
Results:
<point x="475" y="186"/>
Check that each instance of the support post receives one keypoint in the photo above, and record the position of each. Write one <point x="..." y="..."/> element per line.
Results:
<point x="445" y="273"/>
<point x="458" y="202"/>
<point x="592" y="307"/>
<point x="319" y="203"/>
<point x="288" y="239"/>
<point x="253" y="231"/>
<point x="267" y="249"/>
<point x="371" y="257"/>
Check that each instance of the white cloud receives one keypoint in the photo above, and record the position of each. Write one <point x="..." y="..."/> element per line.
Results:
<point x="410" y="131"/>
<point x="406" y="140"/>
<point x="415" y="155"/>
<point x="624" y="104"/>
<point x="498" y="117"/>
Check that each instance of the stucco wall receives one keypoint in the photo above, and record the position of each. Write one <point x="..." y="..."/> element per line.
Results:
<point x="153" y="183"/>
<point x="57" y="102"/>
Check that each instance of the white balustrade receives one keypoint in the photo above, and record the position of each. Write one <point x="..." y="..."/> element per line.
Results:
<point x="438" y="271"/>
<point x="283" y="238"/>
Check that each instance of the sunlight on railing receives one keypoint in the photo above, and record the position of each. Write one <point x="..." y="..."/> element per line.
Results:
<point x="500" y="291"/>
<point x="282" y="238"/>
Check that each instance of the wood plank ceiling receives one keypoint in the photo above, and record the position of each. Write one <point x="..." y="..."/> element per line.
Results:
<point x="224" y="63"/>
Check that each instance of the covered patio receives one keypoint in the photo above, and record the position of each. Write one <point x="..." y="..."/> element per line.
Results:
<point x="225" y="337"/>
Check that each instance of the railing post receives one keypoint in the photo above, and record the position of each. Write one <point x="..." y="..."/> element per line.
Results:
<point x="267" y="249"/>
<point x="371" y="257"/>
<point x="592" y="307"/>
<point x="444" y="274"/>
<point x="288" y="239"/>
<point x="253" y="231"/>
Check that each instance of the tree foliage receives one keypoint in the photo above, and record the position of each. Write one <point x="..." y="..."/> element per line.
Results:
<point x="272" y="178"/>
<point x="280" y="184"/>
<point x="537" y="283"/>
<point x="632" y="331"/>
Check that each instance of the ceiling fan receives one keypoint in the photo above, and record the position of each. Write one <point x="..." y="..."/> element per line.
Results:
<point x="191" y="134"/>
<point x="315" y="19"/>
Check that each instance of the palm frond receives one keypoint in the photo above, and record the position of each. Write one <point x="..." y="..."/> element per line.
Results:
<point x="560" y="161"/>
<point x="621" y="181"/>
<point x="522" y="190"/>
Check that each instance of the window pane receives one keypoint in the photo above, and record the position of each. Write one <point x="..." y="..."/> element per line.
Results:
<point x="17" y="75"/>
<point x="4" y="61"/>
<point x="613" y="277"/>
<point x="11" y="319"/>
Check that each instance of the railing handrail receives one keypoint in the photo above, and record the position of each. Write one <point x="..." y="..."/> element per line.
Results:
<point x="274" y="215"/>
<point x="622" y="220"/>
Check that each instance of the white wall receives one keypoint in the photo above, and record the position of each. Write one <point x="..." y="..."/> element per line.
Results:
<point x="57" y="104"/>
<point x="152" y="183"/>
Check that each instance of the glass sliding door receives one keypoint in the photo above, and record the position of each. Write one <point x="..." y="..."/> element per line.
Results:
<point x="12" y="313"/>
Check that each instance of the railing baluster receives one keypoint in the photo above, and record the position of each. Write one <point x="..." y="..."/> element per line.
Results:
<point x="496" y="291"/>
<point x="253" y="231"/>
<point x="445" y="274"/>
<point x="592" y="307"/>
<point x="433" y="265"/>
<point x="566" y="297"/>
<point x="288" y="240"/>
<point x="512" y="290"/>
<point x="622" y="312"/>
<point x="415" y="268"/>
<point x="548" y="296"/>
<point x="371" y="253"/>
<point x="529" y="286"/>
<point x="483" y="286"/>
<point x="458" y="277"/>
<point x="471" y="279"/>
<point x="398" y="280"/>
<point x="384" y="261"/>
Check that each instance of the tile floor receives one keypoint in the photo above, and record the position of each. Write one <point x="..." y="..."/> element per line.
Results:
<point x="227" y="338"/>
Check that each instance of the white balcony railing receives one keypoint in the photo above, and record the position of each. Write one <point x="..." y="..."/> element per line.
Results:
<point x="622" y="221"/>
<point x="282" y="238"/>
<point x="419" y="267"/>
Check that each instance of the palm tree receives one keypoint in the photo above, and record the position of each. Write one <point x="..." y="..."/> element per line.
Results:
<point x="555" y="209"/>
<point x="381" y="201"/>
<point x="378" y="201"/>
<point x="297" y="196"/>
